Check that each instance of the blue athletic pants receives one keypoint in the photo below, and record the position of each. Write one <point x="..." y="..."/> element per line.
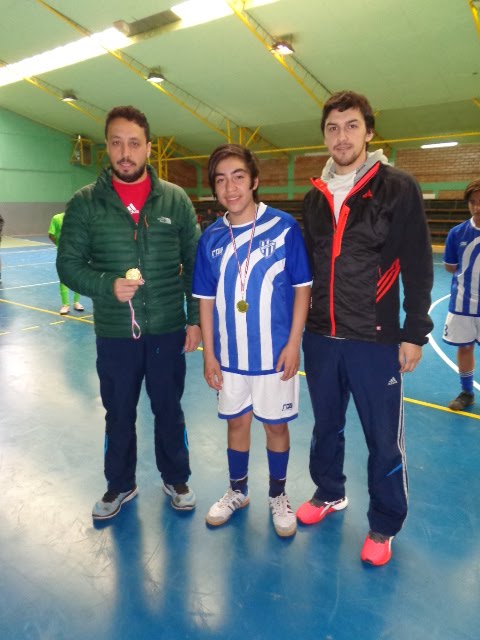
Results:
<point x="370" y="373"/>
<point x="122" y="364"/>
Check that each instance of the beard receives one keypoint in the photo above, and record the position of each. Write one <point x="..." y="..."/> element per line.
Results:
<point x="346" y="159"/>
<point x="129" y="177"/>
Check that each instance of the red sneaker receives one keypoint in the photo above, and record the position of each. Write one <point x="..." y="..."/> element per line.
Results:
<point x="314" y="511"/>
<point x="377" y="549"/>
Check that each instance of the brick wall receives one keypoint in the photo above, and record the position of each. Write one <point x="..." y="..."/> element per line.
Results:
<point x="182" y="173"/>
<point x="307" y="167"/>
<point x="274" y="172"/>
<point x="452" y="164"/>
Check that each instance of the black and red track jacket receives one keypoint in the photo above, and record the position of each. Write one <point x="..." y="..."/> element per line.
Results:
<point x="381" y="233"/>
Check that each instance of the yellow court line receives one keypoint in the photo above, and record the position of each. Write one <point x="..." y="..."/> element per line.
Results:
<point x="53" y="313"/>
<point x="440" y="408"/>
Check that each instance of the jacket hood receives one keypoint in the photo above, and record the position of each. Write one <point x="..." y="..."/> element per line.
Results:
<point x="372" y="158"/>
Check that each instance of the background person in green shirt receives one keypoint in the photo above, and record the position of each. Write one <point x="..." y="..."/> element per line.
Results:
<point x="54" y="235"/>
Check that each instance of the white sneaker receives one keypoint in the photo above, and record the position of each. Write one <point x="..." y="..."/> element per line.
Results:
<point x="64" y="310"/>
<point x="222" y="510"/>
<point x="183" y="498"/>
<point x="284" y="520"/>
<point x="78" y="306"/>
<point x="111" y="503"/>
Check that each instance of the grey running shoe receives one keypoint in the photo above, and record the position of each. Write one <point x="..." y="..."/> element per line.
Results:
<point x="462" y="401"/>
<point x="183" y="498"/>
<point x="111" y="503"/>
<point x="222" y="510"/>
<point x="284" y="520"/>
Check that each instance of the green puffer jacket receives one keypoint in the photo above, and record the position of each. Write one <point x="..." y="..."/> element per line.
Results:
<point x="100" y="242"/>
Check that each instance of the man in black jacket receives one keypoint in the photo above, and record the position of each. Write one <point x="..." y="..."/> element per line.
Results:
<point x="365" y="226"/>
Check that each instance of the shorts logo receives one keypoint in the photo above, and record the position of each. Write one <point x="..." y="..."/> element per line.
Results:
<point x="267" y="247"/>
<point x="392" y="381"/>
<point x="217" y="252"/>
<point x="287" y="406"/>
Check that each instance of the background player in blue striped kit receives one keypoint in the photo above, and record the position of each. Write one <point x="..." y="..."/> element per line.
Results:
<point x="462" y="326"/>
<point x="253" y="279"/>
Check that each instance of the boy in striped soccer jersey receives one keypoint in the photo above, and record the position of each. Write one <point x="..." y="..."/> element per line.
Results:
<point x="462" y="326"/>
<point x="253" y="279"/>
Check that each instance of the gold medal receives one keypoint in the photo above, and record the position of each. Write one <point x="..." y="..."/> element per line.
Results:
<point x="133" y="274"/>
<point x="242" y="306"/>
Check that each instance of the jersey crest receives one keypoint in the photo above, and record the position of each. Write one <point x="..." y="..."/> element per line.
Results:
<point x="267" y="247"/>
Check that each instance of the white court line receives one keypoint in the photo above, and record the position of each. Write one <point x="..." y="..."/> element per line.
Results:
<point x="436" y="348"/>
<point x="8" y="252"/>
<point x="26" y="286"/>
<point x="31" y="264"/>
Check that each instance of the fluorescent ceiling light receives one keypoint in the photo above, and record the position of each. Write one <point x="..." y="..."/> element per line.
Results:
<point x="439" y="145"/>
<point x="196" y="12"/>
<point x="77" y="51"/>
<point x="155" y="76"/>
<point x="69" y="96"/>
<point x="282" y="47"/>
<point x="193" y="12"/>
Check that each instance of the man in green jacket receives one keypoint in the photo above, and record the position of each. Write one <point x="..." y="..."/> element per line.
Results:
<point x="129" y="241"/>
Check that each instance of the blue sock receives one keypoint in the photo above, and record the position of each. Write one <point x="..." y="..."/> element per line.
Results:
<point x="277" y="466"/>
<point x="238" y="470"/>
<point x="466" y="380"/>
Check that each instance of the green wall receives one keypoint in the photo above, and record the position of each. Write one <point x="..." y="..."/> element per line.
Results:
<point x="36" y="177"/>
<point x="35" y="162"/>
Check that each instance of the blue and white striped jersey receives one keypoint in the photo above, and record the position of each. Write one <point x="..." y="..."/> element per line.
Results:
<point x="251" y="342"/>
<point x="463" y="249"/>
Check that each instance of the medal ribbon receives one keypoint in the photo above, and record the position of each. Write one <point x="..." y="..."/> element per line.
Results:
<point x="247" y="261"/>
<point x="136" y="331"/>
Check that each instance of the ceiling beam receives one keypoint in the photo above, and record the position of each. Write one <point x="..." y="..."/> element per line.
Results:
<point x="309" y="83"/>
<point x="475" y="9"/>
<point x="209" y="116"/>
<point x="79" y="105"/>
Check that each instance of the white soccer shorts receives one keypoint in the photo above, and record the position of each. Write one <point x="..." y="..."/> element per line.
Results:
<point x="461" y="330"/>
<point x="272" y="400"/>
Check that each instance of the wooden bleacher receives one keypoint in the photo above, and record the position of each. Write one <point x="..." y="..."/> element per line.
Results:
<point x="443" y="215"/>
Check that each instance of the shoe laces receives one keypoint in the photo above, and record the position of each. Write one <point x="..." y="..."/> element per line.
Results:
<point x="280" y="505"/>
<point x="230" y="496"/>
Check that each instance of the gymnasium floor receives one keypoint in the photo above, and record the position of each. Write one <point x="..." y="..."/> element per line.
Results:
<point x="156" y="573"/>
